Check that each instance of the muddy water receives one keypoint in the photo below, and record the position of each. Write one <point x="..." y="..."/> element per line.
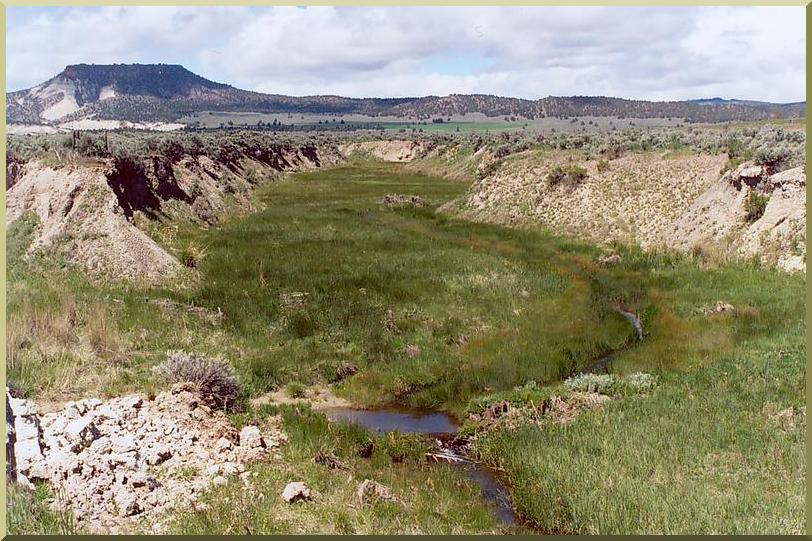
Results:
<point x="442" y="428"/>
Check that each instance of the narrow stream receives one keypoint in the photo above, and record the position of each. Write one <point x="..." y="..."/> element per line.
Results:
<point x="604" y="362"/>
<point x="443" y="429"/>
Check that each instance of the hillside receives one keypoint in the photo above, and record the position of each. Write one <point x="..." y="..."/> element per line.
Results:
<point x="165" y="93"/>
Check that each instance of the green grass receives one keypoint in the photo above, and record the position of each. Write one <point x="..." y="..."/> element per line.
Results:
<point x="430" y="499"/>
<point x="486" y="306"/>
<point x="709" y="450"/>
<point x="29" y="513"/>
<point x="438" y="312"/>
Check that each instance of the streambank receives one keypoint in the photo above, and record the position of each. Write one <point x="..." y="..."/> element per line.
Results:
<point x="449" y="449"/>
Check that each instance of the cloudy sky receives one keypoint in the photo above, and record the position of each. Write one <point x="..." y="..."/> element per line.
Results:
<point x="530" y="52"/>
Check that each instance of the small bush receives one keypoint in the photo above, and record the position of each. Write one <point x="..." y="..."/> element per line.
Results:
<point x="641" y="382"/>
<point x="214" y="378"/>
<point x="591" y="383"/>
<point x="771" y="157"/>
<point x="571" y="175"/>
<point x="754" y="206"/>
<point x="603" y="166"/>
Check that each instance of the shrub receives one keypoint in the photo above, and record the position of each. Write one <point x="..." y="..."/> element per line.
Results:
<point x="754" y="206"/>
<point x="571" y="175"/>
<point x="214" y="378"/>
<point x="603" y="166"/>
<point x="771" y="157"/>
<point x="641" y="382"/>
<point x="591" y="383"/>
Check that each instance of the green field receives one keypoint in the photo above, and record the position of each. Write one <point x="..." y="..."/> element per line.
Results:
<point x="441" y="313"/>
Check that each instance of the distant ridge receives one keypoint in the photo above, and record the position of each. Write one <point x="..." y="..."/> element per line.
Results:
<point x="167" y="92"/>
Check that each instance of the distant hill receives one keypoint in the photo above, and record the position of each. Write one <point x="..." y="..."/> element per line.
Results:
<point x="164" y="92"/>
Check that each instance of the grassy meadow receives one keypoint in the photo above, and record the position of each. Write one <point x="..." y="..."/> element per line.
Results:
<point x="438" y="312"/>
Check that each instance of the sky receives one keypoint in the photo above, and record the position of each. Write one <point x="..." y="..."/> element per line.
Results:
<point x="656" y="53"/>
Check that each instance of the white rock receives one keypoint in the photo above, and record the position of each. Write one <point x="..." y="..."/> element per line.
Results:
<point x="127" y="503"/>
<point x="27" y="427"/>
<point x="81" y="432"/>
<point x="295" y="492"/>
<point x="27" y="453"/>
<point x="251" y="437"/>
<point x="132" y="402"/>
<point x="123" y="444"/>
<point x="219" y="481"/>
<point x="224" y="444"/>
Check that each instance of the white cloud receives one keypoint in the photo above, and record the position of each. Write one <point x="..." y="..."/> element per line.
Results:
<point x="656" y="53"/>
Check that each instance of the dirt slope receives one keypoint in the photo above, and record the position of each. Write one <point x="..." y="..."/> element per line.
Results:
<point x="87" y="211"/>
<point x="80" y="217"/>
<point x="676" y="200"/>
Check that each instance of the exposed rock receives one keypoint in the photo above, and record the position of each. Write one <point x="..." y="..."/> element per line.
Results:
<point x="295" y="492"/>
<point x="396" y="200"/>
<point x="329" y="460"/>
<point x="719" y="308"/>
<point x="130" y="459"/>
<point x="370" y="490"/>
<point x="251" y="437"/>
<point x="612" y="258"/>
<point x="390" y="151"/>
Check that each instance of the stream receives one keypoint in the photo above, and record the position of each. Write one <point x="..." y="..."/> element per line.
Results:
<point x="442" y="428"/>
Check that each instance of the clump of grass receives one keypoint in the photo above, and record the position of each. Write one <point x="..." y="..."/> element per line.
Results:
<point x="295" y="389"/>
<point x="570" y="175"/>
<point x="214" y="379"/>
<point x="193" y="254"/>
<point x="29" y="513"/>
<point x="603" y="166"/>
<point x="754" y="206"/>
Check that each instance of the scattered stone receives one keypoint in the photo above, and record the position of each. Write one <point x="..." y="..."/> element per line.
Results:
<point x="397" y="200"/>
<point x="293" y="300"/>
<point x="329" y="460"/>
<point x="719" y="308"/>
<point x="224" y="444"/>
<point x="612" y="258"/>
<point x="127" y="503"/>
<point x="219" y="481"/>
<point x="370" y="490"/>
<point x="251" y="437"/>
<point x="130" y="459"/>
<point x="295" y="492"/>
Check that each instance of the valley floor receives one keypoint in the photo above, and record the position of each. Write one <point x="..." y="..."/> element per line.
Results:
<point x="436" y="312"/>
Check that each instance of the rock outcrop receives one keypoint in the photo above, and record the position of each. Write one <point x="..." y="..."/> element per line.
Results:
<point x="719" y="217"/>
<point x="121" y="464"/>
